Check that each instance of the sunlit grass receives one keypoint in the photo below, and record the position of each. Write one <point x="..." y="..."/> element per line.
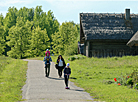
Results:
<point x="92" y="73"/>
<point x="12" y="79"/>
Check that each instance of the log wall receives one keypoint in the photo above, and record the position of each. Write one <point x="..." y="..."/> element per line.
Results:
<point x="110" y="49"/>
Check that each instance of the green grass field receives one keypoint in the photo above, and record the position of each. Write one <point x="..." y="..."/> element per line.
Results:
<point x="93" y="74"/>
<point x="12" y="79"/>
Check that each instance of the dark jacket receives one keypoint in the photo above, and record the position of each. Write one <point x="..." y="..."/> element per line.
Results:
<point x="64" y="64"/>
<point x="67" y="71"/>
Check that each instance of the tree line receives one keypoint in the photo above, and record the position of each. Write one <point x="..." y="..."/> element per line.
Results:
<point x="28" y="32"/>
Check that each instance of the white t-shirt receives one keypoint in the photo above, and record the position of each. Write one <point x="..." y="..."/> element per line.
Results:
<point x="60" y="63"/>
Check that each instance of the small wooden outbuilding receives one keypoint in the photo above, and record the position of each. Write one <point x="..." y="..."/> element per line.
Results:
<point x="106" y="34"/>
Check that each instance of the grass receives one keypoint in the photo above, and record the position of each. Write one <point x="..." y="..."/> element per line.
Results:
<point x="12" y="79"/>
<point x="93" y="74"/>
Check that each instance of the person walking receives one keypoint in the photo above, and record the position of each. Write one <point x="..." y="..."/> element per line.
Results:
<point x="47" y="60"/>
<point x="61" y="65"/>
<point x="67" y="72"/>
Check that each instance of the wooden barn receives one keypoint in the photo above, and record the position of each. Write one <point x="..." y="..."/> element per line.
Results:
<point x="107" y="34"/>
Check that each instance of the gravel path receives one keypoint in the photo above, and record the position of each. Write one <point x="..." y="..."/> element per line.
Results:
<point x="39" y="88"/>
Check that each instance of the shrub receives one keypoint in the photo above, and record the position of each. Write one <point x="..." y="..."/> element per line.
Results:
<point x="122" y="80"/>
<point x="136" y="86"/>
<point x="72" y="58"/>
<point x="134" y="75"/>
<point x="129" y="81"/>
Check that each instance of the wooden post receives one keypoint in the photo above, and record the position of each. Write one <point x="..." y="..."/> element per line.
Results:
<point x="85" y="48"/>
<point x="88" y="49"/>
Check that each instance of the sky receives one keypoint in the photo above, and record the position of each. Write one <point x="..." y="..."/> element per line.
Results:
<point x="68" y="10"/>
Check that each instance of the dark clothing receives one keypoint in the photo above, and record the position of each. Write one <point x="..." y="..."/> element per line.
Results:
<point x="64" y="64"/>
<point x="47" y="69"/>
<point x="47" y="60"/>
<point x="60" y="68"/>
<point x="67" y="72"/>
<point x="66" y="81"/>
<point x="60" y="71"/>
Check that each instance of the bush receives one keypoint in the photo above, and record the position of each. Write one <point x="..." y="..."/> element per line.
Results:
<point x="129" y="81"/>
<point x="72" y="58"/>
<point x="134" y="76"/>
<point x="136" y="86"/>
<point x="122" y="80"/>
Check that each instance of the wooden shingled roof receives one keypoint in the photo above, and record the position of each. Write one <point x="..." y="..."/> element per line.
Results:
<point x="107" y="26"/>
<point x="133" y="40"/>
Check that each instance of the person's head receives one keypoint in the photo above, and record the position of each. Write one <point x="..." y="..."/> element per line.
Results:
<point x="47" y="49"/>
<point x="67" y="65"/>
<point x="60" y="57"/>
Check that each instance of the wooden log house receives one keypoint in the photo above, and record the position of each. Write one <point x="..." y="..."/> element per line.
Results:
<point x="106" y="34"/>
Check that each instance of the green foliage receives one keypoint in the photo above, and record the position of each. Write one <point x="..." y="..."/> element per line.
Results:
<point x="19" y="39"/>
<point x="65" y="41"/>
<point x="12" y="79"/>
<point x="136" y="86"/>
<point x="30" y="31"/>
<point x="39" y="42"/>
<point x="10" y="19"/>
<point x="129" y="81"/>
<point x="134" y="75"/>
<point x="72" y="58"/>
<point x="2" y="41"/>
<point x="122" y="80"/>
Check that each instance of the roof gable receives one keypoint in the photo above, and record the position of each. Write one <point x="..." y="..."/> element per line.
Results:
<point x="133" y="40"/>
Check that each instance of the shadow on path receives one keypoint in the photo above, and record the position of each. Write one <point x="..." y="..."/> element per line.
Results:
<point x="56" y="78"/>
<point x="76" y="90"/>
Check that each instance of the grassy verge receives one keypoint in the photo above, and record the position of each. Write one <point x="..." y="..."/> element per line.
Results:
<point x="12" y="79"/>
<point x="95" y="75"/>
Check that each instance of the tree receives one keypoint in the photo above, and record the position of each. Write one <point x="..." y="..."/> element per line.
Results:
<point x="2" y="41"/>
<point x="37" y="16"/>
<point x="1" y="19"/>
<point x="10" y="18"/>
<point x="8" y="22"/>
<point x="65" y="41"/>
<point x="19" y="39"/>
<point x="26" y="13"/>
<point x="39" y="42"/>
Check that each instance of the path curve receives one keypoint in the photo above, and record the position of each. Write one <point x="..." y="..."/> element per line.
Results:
<point x="39" y="88"/>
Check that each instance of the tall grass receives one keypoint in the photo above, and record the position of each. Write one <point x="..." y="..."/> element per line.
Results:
<point x="12" y="79"/>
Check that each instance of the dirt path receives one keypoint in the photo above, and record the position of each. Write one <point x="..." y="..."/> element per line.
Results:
<point x="39" y="88"/>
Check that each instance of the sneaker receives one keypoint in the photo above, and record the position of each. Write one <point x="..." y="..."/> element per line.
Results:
<point x="67" y="88"/>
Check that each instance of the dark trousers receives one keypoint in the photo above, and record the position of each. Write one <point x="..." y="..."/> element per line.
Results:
<point x="66" y="77"/>
<point x="60" y="71"/>
<point x="47" y="69"/>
